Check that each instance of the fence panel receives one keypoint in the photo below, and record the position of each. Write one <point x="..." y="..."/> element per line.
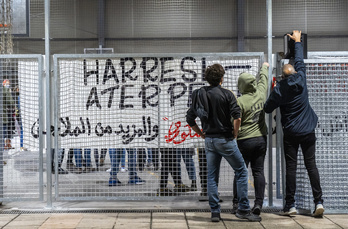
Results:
<point x="21" y="160"/>
<point x="327" y="81"/>
<point x="127" y="112"/>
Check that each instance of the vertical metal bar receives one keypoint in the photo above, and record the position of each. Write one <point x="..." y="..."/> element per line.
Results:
<point x="48" y="105"/>
<point x="41" y="124"/>
<point x="270" y="151"/>
<point x="280" y="135"/>
<point x="240" y="25"/>
<point x="101" y="23"/>
<point x="1" y="132"/>
<point x="278" y="139"/>
<point x="55" y="120"/>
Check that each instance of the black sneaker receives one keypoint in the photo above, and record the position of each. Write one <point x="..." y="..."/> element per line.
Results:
<point x="181" y="188"/>
<point x="215" y="217"/>
<point x="204" y="192"/>
<point x="60" y="171"/>
<point x="234" y="208"/>
<point x="165" y="192"/>
<point x="256" y="209"/>
<point x="248" y="215"/>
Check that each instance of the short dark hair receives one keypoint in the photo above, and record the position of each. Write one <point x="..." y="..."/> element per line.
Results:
<point x="213" y="74"/>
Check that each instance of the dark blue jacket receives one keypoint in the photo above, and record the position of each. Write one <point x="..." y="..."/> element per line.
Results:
<point x="291" y="95"/>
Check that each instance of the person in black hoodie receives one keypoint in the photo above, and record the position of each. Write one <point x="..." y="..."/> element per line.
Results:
<point x="299" y="121"/>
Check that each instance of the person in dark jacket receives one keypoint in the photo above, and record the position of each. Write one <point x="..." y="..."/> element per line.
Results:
<point x="220" y="139"/>
<point x="299" y="121"/>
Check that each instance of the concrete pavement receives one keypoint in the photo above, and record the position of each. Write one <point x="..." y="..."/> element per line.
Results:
<point x="163" y="220"/>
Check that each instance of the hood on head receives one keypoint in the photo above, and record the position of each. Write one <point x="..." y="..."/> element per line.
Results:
<point x="246" y="83"/>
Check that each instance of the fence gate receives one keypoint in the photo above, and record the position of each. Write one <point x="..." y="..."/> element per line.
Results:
<point x="327" y="81"/>
<point x="129" y="110"/>
<point x="21" y="158"/>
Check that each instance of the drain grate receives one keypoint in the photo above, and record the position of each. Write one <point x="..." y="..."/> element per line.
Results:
<point x="98" y="211"/>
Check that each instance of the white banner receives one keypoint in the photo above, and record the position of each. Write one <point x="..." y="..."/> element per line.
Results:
<point x="135" y="101"/>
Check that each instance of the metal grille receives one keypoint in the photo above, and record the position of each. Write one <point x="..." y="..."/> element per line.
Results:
<point x="21" y="172"/>
<point x="328" y="94"/>
<point x="116" y="111"/>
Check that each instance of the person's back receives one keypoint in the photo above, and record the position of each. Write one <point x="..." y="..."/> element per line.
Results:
<point x="221" y="102"/>
<point x="220" y="139"/>
<point x="299" y="122"/>
<point x="254" y="95"/>
<point x="252" y="136"/>
<point x="291" y="96"/>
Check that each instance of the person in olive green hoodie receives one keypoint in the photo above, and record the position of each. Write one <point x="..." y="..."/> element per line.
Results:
<point x="252" y="137"/>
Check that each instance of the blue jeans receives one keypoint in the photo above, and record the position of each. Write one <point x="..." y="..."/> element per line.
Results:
<point x="186" y="154"/>
<point x="78" y="157"/>
<point x="123" y="158"/>
<point x="115" y="159"/>
<point x="149" y="155"/>
<point x="215" y="149"/>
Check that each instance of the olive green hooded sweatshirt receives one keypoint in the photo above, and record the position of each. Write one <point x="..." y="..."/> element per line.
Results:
<point x="254" y="95"/>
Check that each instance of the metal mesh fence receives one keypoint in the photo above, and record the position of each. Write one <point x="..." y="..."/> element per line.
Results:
<point x="20" y="168"/>
<point x="149" y="26"/>
<point x="328" y="94"/>
<point x="122" y="124"/>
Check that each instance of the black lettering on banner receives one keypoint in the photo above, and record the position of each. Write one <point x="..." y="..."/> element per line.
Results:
<point x="237" y="67"/>
<point x="173" y="97"/>
<point x="77" y="131"/>
<point x="184" y="77"/>
<point x="154" y="129"/>
<point x="112" y="92"/>
<point x="124" y="97"/>
<point x="93" y="93"/>
<point x="163" y="71"/>
<point x="109" y="67"/>
<point x="204" y="67"/>
<point x="87" y="74"/>
<point x="100" y="130"/>
<point x="88" y="126"/>
<point x="146" y="72"/>
<point x="35" y="130"/>
<point x="145" y="99"/>
<point x="128" y="73"/>
<point x="67" y="126"/>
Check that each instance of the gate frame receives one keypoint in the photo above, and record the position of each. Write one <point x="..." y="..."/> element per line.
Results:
<point x="40" y="61"/>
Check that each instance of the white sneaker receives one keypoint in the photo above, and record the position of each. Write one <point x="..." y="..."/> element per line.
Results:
<point x="289" y="212"/>
<point x="123" y="170"/>
<point x="108" y="170"/>
<point x="319" y="210"/>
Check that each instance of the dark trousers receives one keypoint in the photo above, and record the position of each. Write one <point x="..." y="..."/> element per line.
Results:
<point x="291" y="146"/>
<point x="170" y="164"/>
<point x="254" y="151"/>
<point x="141" y="153"/>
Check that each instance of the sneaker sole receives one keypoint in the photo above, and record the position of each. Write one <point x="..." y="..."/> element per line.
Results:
<point x="288" y="213"/>
<point x="250" y="220"/>
<point x="138" y="183"/>
<point x="215" y="220"/>
<point x="112" y="185"/>
<point x="318" y="212"/>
